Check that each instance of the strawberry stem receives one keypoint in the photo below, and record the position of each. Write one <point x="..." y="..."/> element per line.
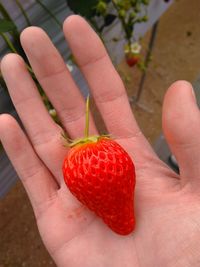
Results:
<point x="87" y="117"/>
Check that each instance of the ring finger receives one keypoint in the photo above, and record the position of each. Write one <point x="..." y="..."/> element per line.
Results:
<point x="44" y="133"/>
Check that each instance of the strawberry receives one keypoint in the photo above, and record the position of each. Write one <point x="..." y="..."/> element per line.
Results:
<point x="101" y="175"/>
<point x="132" y="53"/>
<point x="132" y="59"/>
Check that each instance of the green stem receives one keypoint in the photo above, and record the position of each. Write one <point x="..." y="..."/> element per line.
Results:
<point x="4" y="12"/>
<point x="30" y="70"/>
<point x="123" y="22"/>
<point x="8" y="42"/>
<point x="49" y="12"/>
<point x="87" y="117"/>
<point x="23" y="12"/>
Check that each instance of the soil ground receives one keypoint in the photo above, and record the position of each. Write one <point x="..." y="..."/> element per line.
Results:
<point x="176" y="55"/>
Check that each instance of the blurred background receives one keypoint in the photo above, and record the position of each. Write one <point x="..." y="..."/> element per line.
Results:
<point x="152" y="43"/>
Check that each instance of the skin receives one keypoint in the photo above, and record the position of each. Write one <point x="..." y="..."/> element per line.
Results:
<point x="167" y="205"/>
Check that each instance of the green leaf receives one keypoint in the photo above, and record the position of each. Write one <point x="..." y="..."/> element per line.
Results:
<point x="6" y="25"/>
<point x="86" y="10"/>
<point x="7" y="16"/>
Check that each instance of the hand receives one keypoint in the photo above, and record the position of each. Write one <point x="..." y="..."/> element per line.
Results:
<point x="167" y="205"/>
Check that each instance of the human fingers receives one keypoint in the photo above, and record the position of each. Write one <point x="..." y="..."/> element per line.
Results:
<point x="44" y="133"/>
<point x="181" y="125"/>
<point x="105" y="84"/>
<point x="106" y="87"/>
<point x="56" y="80"/>
<point x="36" y="178"/>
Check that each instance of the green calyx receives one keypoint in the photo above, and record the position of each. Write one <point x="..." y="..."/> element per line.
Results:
<point x="90" y="139"/>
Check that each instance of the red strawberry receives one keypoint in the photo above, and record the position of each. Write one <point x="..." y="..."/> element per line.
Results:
<point x="132" y="59"/>
<point x="101" y="175"/>
<point x="132" y="53"/>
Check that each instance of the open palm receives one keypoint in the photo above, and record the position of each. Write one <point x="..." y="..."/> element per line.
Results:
<point x="167" y="206"/>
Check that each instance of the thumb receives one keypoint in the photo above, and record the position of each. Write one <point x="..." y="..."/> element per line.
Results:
<point x="181" y="126"/>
